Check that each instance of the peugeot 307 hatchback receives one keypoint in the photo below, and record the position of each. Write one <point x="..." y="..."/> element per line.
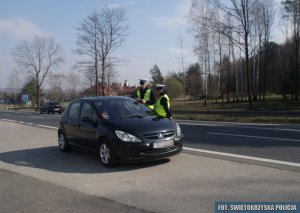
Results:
<point x="119" y="129"/>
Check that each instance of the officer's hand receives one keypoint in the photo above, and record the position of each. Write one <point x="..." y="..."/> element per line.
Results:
<point x="171" y="118"/>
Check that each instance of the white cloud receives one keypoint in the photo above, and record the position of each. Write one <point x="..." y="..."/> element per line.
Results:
<point x="183" y="8"/>
<point x="124" y="4"/>
<point x="179" y="19"/>
<point x="114" y="5"/>
<point x="171" y="23"/>
<point x="20" y="28"/>
<point x="177" y="50"/>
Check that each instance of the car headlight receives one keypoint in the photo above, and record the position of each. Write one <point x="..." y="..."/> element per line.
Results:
<point x="178" y="130"/>
<point x="126" y="137"/>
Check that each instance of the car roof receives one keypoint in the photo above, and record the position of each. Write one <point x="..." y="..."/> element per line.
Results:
<point x="105" y="98"/>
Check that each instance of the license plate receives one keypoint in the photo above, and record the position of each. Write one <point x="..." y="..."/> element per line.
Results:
<point x="163" y="144"/>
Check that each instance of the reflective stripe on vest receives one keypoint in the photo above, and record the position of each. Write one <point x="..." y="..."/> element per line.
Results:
<point x="160" y="110"/>
<point x="146" y="97"/>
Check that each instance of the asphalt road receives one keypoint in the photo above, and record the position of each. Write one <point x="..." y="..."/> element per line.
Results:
<point x="18" y="191"/>
<point x="43" y="179"/>
<point x="270" y="141"/>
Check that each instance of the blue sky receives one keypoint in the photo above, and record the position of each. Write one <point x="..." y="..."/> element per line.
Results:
<point x="155" y="29"/>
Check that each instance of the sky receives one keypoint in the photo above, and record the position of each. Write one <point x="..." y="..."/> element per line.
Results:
<point x="156" y="27"/>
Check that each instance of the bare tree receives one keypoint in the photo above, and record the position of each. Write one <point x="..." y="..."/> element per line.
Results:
<point x="14" y="84"/>
<point x="111" y="75"/>
<point x="87" y="42"/>
<point x="72" y="84"/>
<point x="268" y="19"/>
<point x="181" y="42"/>
<point x="292" y="9"/>
<point x="202" y="33"/>
<point x="99" y="36"/>
<point x="38" y="57"/>
<point x="241" y="26"/>
<point x="55" y="91"/>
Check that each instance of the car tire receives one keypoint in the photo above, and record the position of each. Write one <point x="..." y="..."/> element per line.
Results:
<point x="106" y="154"/>
<point x="63" y="143"/>
<point x="48" y="112"/>
<point x="41" y="112"/>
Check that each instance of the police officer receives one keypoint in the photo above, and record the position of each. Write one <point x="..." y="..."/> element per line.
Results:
<point x="162" y="106"/>
<point x="145" y="95"/>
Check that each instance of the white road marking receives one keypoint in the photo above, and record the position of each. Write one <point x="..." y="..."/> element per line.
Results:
<point x="224" y="123"/>
<point x="49" y="127"/>
<point x="8" y="120"/>
<point x="251" y="136"/>
<point x="285" y="163"/>
<point x="240" y="127"/>
<point x="31" y="124"/>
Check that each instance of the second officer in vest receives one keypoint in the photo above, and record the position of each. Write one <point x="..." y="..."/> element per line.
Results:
<point x="162" y="106"/>
<point x="145" y="95"/>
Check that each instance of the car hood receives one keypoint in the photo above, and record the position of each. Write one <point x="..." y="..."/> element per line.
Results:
<point x="142" y="125"/>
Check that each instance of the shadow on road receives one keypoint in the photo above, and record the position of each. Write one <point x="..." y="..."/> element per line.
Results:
<point x="76" y="161"/>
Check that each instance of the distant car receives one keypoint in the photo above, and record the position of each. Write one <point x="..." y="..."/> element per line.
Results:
<point x="51" y="107"/>
<point x="119" y="129"/>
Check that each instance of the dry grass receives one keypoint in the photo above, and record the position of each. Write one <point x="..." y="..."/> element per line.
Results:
<point x="271" y="103"/>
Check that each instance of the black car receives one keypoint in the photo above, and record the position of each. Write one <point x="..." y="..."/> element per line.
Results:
<point x="51" y="107"/>
<point x="119" y="129"/>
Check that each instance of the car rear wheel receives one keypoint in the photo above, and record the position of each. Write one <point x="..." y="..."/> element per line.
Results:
<point x="63" y="143"/>
<point x="105" y="154"/>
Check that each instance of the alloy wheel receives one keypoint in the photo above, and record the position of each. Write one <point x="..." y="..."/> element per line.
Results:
<point x="61" y="141"/>
<point x="105" y="154"/>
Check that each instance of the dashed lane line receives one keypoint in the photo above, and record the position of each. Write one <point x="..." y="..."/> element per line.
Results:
<point x="239" y="127"/>
<point x="252" y="136"/>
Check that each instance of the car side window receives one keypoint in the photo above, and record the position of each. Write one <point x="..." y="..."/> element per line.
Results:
<point x="94" y="116"/>
<point x="74" y="110"/>
<point x="86" y="111"/>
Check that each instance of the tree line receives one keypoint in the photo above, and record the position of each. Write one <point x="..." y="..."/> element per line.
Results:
<point x="237" y="59"/>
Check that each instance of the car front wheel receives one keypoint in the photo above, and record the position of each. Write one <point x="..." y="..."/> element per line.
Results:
<point x="63" y="143"/>
<point x="105" y="154"/>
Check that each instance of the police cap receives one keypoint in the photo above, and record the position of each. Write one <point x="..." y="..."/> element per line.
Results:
<point x="160" y="86"/>
<point x="143" y="81"/>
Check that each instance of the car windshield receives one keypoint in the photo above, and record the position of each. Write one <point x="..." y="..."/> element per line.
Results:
<point x="123" y="108"/>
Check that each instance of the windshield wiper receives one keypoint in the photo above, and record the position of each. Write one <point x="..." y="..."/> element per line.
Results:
<point x="136" y="116"/>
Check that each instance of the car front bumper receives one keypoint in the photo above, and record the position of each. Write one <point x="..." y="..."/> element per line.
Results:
<point x="144" y="152"/>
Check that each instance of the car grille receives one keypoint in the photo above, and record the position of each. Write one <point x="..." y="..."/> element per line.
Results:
<point x="160" y="151"/>
<point x="159" y="135"/>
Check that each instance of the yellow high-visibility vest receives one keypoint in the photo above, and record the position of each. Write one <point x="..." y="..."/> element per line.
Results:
<point x="146" y="97"/>
<point x="160" y="110"/>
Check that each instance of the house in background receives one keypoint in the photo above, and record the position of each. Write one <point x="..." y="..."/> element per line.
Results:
<point x="114" y="89"/>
